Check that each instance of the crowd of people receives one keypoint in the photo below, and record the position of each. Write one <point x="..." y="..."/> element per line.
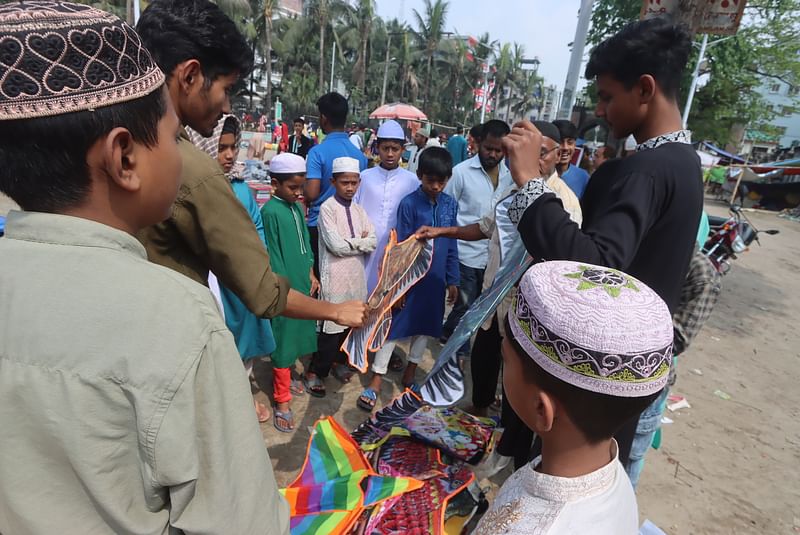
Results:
<point x="125" y="404"/>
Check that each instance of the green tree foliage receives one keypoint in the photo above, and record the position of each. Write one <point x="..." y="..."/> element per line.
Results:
<point x="765" y="48"/>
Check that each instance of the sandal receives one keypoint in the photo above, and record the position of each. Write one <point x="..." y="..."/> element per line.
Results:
<point x="286" y="417"/>
<point x="262" y="412"/>
<point x="396" y="363"/>
<point x="343" y="373"/>
<point x="413" y="386"/>
<point x="367" y="400"/>
<point x="297" y="388"/>
<point x="314" y="386"/>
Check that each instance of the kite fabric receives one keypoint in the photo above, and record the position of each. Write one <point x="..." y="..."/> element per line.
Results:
<point x="452" y="430"/>
<point x="337" y="484"/>
<point x="421" y="511"/>
<point x="404" y="264"/>
<point x="444" y="385"/>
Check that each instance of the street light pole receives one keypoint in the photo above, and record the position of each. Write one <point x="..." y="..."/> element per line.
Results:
<point x="485" y="96"/>
<point x="575" y="59"/>
<point x="333" y="65"/>
<point x="695" y="77"/>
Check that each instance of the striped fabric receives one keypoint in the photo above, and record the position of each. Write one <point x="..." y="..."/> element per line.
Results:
<point x="337" y="483"/>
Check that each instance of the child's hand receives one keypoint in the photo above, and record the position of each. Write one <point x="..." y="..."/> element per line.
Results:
<point x="452" y="294"/>
<point x="314" y="284"/>
<point x="427" y="233"/>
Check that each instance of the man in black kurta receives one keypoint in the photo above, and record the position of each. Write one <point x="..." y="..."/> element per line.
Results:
<point x="640" y="214"/>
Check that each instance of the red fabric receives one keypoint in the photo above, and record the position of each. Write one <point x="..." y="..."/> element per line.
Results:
<point x="281" y="385"/>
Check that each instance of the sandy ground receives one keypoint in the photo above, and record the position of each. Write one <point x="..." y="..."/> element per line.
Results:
<point x="725" y="466"/>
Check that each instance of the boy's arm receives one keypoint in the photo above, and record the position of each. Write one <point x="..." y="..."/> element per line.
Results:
<point x="229" y="245"/>
<point x="333" y="241"/>
<point x="313" y="185"/>
<point x="306" y="235"/>
<point x="368" y="243"/>
<point x="208" y="453"/>
<point x="272" y="234"/>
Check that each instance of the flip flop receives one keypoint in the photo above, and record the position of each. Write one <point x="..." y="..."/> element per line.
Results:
<point x="367" y="400"/>
<point x="413" y="386"/>
<point x="262" y="412"/>
<point x="280" y="416"/>
<point x="343" y="373"/>
<point x="297" y="388"/>
<point x="314" y="386"/>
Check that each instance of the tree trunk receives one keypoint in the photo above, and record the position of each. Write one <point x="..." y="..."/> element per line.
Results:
<point x="268" y="59"/>
<point x="497" y="90"/>
<point x="428" y="84"/>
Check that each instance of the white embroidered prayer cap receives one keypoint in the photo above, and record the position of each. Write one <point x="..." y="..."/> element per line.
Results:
<point x="287" y="163"/>
<point x="346" y="165"/>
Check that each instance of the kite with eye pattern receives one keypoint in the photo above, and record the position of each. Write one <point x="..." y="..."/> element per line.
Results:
<point x="404" y="264"/>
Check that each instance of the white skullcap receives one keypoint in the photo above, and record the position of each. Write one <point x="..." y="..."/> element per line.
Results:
<point x="630" y="143"/>
<point x="391" y="130"/>
<point x="287" y="163"/>
<point x="346" y="165"/>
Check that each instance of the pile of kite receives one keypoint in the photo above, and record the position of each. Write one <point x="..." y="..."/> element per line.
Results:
<point x="407" y="469"/>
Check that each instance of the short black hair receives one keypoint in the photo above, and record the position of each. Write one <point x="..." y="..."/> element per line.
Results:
<point x="495" y="128"/>
<point x="436" y="162"/>
<point x="548" y="130"/>
<point x="230" y="126"/>
<point x="298" y="120"/>
<point x="43" y="160"/>
<point x="476" y="132"/>
<point x="659" y="47"/>
<point x="566" y="129"/>
<point x="333" y="106"/>
<point x="283" y="177"/>
<point x="597" y="416"/>
<point x="459" y="130"/>
<point x="401" y="142"/>
<point x="434" y="133"/>
<point x="175" y="31"/>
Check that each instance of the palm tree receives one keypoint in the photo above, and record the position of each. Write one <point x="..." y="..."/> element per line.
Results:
<point x="430" y="30"/>
<point x="529" y="89"/>
<point x="364" y="14"/>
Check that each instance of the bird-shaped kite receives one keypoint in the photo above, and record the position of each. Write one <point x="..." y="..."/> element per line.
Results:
<point x="404" y="264"/>
<point x="337" y="484"/>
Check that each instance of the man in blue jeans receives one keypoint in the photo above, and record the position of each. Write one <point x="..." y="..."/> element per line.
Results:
<point x="473" y="185"/>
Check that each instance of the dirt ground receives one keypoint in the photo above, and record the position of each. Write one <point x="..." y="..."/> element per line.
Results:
<point x="725" y="466"/>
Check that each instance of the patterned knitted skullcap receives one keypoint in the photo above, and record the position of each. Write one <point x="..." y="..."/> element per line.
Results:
<point x="593" y="327"/>
<point x="60" y="57"/>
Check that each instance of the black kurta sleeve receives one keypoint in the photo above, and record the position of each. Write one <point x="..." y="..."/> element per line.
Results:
<point x="611" y="239"/>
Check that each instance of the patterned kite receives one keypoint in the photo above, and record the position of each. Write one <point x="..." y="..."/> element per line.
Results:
<point x="404" y="264"/>
<point x="337" y="484"/>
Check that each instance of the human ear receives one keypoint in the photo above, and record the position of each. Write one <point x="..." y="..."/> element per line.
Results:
<point x="120" y="155"/>
<point x="189" y="75"/>
<point x="544" y="412"/>
<point x="647" y="88"/>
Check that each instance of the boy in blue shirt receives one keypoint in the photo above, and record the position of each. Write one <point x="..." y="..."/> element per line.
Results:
<point x="421" y="316"/>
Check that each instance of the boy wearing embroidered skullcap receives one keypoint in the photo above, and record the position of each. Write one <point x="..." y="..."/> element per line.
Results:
<point x="122" y="407"/>
<point x="587" y="349"/>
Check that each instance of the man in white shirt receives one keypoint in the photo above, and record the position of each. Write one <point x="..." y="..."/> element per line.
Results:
<point x="421" y="138"/>
<point x="473" y="185"/>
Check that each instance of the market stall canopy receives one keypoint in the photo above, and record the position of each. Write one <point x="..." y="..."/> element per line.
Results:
<point x="398" y="110"/>
<point x="718" y="151"/>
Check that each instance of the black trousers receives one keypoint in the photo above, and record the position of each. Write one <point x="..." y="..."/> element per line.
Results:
<point x="313" y="235"/>
<point x="485" y="365"/>
<point x="328" y="353"/>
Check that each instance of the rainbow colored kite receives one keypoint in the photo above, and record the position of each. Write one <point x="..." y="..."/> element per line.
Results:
<point x="337" y="484"/>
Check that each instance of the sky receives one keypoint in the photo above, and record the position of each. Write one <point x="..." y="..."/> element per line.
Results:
<point x="544" y="27"/>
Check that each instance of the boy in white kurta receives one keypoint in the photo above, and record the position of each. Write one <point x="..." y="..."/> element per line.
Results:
<point x="346" y="237"/>
<point x="586" y="348"/>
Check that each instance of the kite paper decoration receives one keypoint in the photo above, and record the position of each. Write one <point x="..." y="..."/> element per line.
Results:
<point x="452" y="430"/>
<point x="421" y="511"/>
<point x="404" y="264"/>
<point x="375" y="430"/>
<point x="444" y="385"/>
<point x="337" y="484"/>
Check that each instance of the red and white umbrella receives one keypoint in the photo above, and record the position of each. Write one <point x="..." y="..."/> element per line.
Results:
<point x="398" y="110"/>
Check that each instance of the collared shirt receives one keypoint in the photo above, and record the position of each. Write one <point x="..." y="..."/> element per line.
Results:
<point x="319" y="166"/>
<point x="209" y="229"/>
<point x="457" y="147"/>
<point x="576" y="178"/>
<point x="601" y="503"/>
<point x="679" y="136"/>
<point x="124" y="406"/>
<point x="568" y="198"/>
<point x="379" y="195"/>
<point x="474" y="190"/>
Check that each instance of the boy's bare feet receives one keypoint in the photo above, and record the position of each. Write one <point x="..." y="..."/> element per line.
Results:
<point x="262" y="412"/>
<point x="408" y="375"/>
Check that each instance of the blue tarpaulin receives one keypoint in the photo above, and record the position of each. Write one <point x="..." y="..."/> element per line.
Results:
<point x="721" y="152"/>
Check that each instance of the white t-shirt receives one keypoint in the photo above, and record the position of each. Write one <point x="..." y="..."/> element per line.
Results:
<point x="357" y="140"/>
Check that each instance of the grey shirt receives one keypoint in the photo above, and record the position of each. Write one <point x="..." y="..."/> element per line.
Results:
<point x="124" y="406"/>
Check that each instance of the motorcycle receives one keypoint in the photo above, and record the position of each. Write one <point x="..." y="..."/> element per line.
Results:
<point x="731" y="236"/>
